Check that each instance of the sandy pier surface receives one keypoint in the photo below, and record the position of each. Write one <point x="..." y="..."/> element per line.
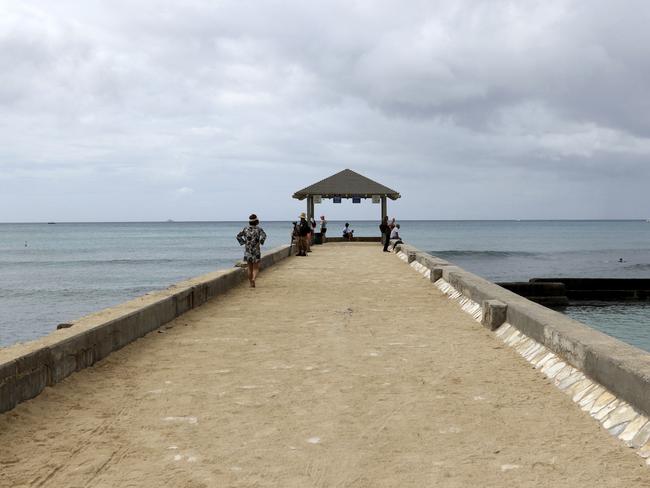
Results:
<point x="342" y="369"/>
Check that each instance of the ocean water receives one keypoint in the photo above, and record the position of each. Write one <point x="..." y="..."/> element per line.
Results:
<point x="56" y="273"/>
<point x="627" y="322"/>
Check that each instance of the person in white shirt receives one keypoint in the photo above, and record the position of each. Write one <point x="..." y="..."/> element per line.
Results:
<point x="348" y="233"/>
<point x="395" y="237"/>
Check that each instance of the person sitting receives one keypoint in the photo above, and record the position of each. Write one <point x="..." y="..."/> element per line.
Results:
<point x="395" y="237"/>
<point x="348" y="234"/>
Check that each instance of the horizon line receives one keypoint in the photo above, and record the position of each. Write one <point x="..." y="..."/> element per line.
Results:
<point x="171" y="221"/>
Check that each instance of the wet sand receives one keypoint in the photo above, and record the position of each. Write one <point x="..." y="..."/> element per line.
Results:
<point x="345" y="368"/>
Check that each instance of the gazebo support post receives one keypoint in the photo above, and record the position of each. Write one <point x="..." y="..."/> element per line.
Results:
<point x="310" y="207"/>
<point x="384" y="208"/>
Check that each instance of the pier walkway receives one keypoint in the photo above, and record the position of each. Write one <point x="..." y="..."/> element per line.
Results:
<point x="343" y="369"/>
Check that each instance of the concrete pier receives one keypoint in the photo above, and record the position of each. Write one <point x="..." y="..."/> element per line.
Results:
<point x="344" y="368"/>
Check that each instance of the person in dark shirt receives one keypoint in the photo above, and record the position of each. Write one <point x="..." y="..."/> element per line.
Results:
<point x="303" y="230"/>
<point x="385" y="233"/>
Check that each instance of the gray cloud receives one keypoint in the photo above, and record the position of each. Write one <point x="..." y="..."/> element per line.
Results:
<point x="201" y="109"/>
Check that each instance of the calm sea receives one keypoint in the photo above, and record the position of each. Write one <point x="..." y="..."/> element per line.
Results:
<point x="55" y="273"/>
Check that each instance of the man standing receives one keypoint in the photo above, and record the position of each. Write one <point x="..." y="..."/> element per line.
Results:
<point x="303" y="229"/>
<point x="385" y="233"/>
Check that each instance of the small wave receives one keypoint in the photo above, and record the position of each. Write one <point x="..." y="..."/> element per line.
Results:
<point x="638" y="267"/>
<point x="119" y="292"/>
<point x="478" y="254"/>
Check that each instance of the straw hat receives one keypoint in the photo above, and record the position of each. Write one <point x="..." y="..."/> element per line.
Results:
<point x="303" y="215"/>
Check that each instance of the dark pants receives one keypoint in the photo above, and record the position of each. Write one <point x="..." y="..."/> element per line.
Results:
<point x="386" y="241"/>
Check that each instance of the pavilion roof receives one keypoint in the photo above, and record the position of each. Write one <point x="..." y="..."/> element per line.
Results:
<point x="347" y="183"/>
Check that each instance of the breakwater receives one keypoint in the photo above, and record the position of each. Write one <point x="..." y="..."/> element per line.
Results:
<point x="26" y="369"/>
<point x="606" y="377"/>
<point x="308" y="373"/>
<point x="565" y="291"/>
<point x="620" y="367"/>
<point x="54" y="279"/>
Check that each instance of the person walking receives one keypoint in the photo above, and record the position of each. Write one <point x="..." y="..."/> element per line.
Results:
<point x="323" y="228"/>
<point x="385" y="233"/>
<point x="252" y="237"/>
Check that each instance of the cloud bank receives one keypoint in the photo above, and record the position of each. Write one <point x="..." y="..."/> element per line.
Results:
<point x="209" y="110"/>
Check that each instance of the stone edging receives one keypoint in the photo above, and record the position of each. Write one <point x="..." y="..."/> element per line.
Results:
<point x="26" y="369"/>
<point x="619" y="416"/>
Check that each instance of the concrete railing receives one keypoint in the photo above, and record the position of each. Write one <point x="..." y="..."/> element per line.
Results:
<point x="26" y="369"/>
<point x="621" y="368"/>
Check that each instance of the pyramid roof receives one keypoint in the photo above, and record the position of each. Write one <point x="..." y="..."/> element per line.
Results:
<point x="347" y="183"/>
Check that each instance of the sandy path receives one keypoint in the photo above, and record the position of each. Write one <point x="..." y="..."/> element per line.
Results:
<point x="345" y="368"/>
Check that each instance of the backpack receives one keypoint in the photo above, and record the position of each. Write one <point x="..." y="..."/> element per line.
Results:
<point x="304" y="228"/>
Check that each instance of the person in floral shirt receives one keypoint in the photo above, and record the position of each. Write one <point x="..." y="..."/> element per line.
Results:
<point x="252" y="237"/>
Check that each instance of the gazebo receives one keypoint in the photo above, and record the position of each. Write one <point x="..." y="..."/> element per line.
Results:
<point x="346" y="184"/>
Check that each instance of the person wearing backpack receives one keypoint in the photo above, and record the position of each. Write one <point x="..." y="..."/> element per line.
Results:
<point x="303" y="230"/>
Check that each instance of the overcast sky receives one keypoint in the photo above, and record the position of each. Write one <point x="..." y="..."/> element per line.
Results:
<point x="209" y="110"/>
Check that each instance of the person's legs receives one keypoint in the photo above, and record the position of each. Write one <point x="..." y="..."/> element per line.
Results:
<point x="386" y="242"/>
<point x="250" y="273"/>
<point x="256" y="270"/>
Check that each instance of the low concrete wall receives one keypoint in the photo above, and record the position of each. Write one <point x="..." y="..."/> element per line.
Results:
<point x="26" y="369"/>
<point x="621" y="368"/>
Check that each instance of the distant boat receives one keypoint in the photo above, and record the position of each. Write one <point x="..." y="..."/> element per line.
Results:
<point x="169" y="220"/>
<point x="51" y="223"/>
